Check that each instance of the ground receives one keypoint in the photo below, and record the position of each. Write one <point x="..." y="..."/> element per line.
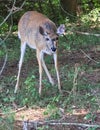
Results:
<point x="37" y="114"/>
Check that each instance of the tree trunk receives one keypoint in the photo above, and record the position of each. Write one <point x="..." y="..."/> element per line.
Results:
<point x="69" y="6"/>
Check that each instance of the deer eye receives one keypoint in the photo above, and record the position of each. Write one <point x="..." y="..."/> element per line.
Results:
<point x="55" y="39"/>
<point x="47" y="39"/>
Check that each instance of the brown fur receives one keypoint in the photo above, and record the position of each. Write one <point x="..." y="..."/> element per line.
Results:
<point x="39" y="32"/>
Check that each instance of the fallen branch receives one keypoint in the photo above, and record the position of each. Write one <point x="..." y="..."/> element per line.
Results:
<point x="86" y="33"/>
<point x="34" y="124"/>
<point x="88" y="56"/>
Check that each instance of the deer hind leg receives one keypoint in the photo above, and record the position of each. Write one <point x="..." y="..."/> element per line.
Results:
<point x="47" y="72"/>
<point x="23" y="47"/>
<point x="57" y="71"/>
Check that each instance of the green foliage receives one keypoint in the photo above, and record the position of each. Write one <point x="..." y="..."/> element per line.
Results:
<point x="29" y="92"/>
<point x="92" y="17"/>
<point x="30" y="86"/>
<point x="90" y="116"/>
<point x="52" y="111"/>
<point x="14" y="28"/>
<point x="46" y="127"/>
<point x="1" y="53"/>
<point x="7" y="123"/>
<point x="93" y="128"/>
<point x="89" y="5"/>
<point x="4" y="27"/>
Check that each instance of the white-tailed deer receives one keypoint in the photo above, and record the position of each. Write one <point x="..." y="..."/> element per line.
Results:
<point x="40" y="33"/>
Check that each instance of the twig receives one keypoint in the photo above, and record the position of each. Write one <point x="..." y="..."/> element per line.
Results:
<point x="75" y="80"/>
<point x="75" y="74"/>
<point x="8" y="14"/>
<point x="13" y="10"/>
<point x="65" y="10"/>
<point x="31" y="123"/>
<point x="75" y="124"/>
<point x="19" y="8"/>
<point x="88" y="56"/>
<point x="86" y="33"/>
<point x="6" y="56"/>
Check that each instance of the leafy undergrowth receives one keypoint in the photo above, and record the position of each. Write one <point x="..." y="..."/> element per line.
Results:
<point x="79" y="63"/>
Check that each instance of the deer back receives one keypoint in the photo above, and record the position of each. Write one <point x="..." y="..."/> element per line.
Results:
<point x="37" y="31"/>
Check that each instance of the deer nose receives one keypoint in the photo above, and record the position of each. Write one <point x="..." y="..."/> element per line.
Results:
<point x="53" y="49"/>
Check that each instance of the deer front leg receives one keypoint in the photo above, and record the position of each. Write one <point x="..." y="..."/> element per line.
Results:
<point x="23" y="47"/>
<point x="39" y="58"/>
<point x="47" y="72"/>
<point x="57" y="71"/>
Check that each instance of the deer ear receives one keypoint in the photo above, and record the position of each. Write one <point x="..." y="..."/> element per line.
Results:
<point x="41" y="30"/>
<point x="61" y="29"/>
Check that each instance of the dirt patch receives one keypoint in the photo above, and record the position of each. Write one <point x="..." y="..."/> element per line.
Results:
<point x="36" y="115"/>
<point x="30" y="114"/>
<point x="82" y="57"/>
<point x="34" y="118"/>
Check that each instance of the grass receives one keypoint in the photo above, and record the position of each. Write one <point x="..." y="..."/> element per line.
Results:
<point x="79" y="93"/>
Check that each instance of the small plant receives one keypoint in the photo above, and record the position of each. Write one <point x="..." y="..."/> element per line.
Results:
<point x="91" y="17"/>
<point x="44" y="128"/>
<point x="91" y="117"/>
<point x="7" y="123"/>
<point x="92" y="128"/>
<point x="52" y="111"/>
<point x="4" y="27"/>
<point x="31" y="94"/>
